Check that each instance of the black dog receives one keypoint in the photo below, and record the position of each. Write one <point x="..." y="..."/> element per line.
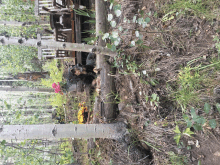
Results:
<point x="85" y="73"/>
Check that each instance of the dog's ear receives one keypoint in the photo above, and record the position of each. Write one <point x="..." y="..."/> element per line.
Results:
<point x="97" y="71"/>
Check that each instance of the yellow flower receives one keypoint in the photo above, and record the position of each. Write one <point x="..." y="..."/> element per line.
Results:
<point x="80" y="113"/>
<point x="80" y="119"/>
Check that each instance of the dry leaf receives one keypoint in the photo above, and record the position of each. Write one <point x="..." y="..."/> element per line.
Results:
<point x="143" y="8"/>
<point x="197" y="144"/>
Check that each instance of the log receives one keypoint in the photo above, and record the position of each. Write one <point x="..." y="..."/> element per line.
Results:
<point x="108" y="106"/>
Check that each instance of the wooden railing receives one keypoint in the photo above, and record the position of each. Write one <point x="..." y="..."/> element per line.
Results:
<point x="52" y="53"/>
<point x="47" y="3"/>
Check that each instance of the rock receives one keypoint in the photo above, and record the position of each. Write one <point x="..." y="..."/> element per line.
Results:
<point x="121" y="106"/>
<point x="190" y="142"/>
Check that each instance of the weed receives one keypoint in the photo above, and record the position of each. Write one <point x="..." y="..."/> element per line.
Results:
<point x="90" y="40"/>
<point x="149" y="144"/>
<point x="217" y="44"/>
<point x="85" y="13"/>
<point x="56" y="74"/>
<point x="189" y="82"/>
<point x="177" y="159"/>
<point x="67" y="154"/>
<point x="57" y="100"/>
<point x="198" y="121"/>
<point x="201" y="8"/>
<point x="154" y="99"/>
<point x="178" y="135"/>
<point x="116" y="97"/>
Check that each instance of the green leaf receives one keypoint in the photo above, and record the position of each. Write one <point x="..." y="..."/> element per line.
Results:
<point x="193" y="113"/>
<point x="197" y="127"/>
<point x="199" y="162"/>
<point x="218" y="107"/>
<point x="117" y="7"/>
<point x="189" y="124"/>
<point x="134" y="19"/>
<point x="142" y="13"/>
<point x="212" y="123"/>
<point x="106" y="35"/>
<point x="147" y="123"/>
<point x="113" y="23"/>
<point x="109" y="46"/>
<point x="139" y="42"/>
<point x="146" y="98"/>
<point x="117" y="41"/>
<point x="207" y="107"/>
<point x="177" y="130"/>
<point x="18" y="116"/>
<point x="113" y="48"/>
<point x="137" y="33"/>
<point x="147" y="20"/>
<point x="177" y="138"/>
<point x="140" y="21"/>
<point x="117" y="13"/>
<point x="99" y="153"/>
<point x="189" y="147"/>
<point x="154" y="96"/>
<point x="3" y="142"/>
<point x="188" y="132"/>
<point x="185" y="117"/>
<point x="200" y="120"/>
<point x="132" y="43"/>
<point x="120" y="28"/>
<point x="110" y="17"/>
<point x="115" y="34"/>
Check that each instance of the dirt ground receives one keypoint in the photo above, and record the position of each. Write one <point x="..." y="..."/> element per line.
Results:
<point x="169" y="46"/>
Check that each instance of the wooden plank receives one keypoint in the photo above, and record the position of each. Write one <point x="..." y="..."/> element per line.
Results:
<point x="73" y="53"/>
<point x="36" y="7"/>
<point x="78" y="33"/>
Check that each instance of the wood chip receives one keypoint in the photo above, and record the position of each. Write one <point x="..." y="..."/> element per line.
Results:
<point x="197" y="144"/>
<point x="217" y="153"/>
<point x="144" y="8"/>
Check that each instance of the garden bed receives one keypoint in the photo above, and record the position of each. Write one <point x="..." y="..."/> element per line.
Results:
<point x="168" y="64"/>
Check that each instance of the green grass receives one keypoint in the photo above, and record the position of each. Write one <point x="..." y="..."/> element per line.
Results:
<point x="201" y="8"/>
<point x="177" y="159"/>
<point x="189" y="82"/>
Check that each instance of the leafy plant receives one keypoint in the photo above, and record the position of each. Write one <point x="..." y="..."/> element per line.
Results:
<point x="177" y="159"/>
<point x="67" y="154"/>
<point x="56" y="74"/>
<point x="178" y="135"/>
<point x="85" y="13"/>
<point x="189" y="81"/>
<point x="198" y="121"/>
<point x="201" y="8"/>
<point x="217" y="44"/>
<point x="153" y="100"/>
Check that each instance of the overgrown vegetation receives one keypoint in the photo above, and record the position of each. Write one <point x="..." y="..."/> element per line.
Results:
<point x="56" y="75"/>
<point x="167" y="82"/>
<point x="208" y="9"/>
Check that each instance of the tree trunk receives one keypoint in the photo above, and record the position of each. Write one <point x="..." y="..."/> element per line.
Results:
<point x="15" y="23"/>
<point x="26" y="89"/>
<point x="31" y="76"/>
<point x="57" y="131"/>
<point x="107" y="82"/>
<point x="56" y="45"/>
